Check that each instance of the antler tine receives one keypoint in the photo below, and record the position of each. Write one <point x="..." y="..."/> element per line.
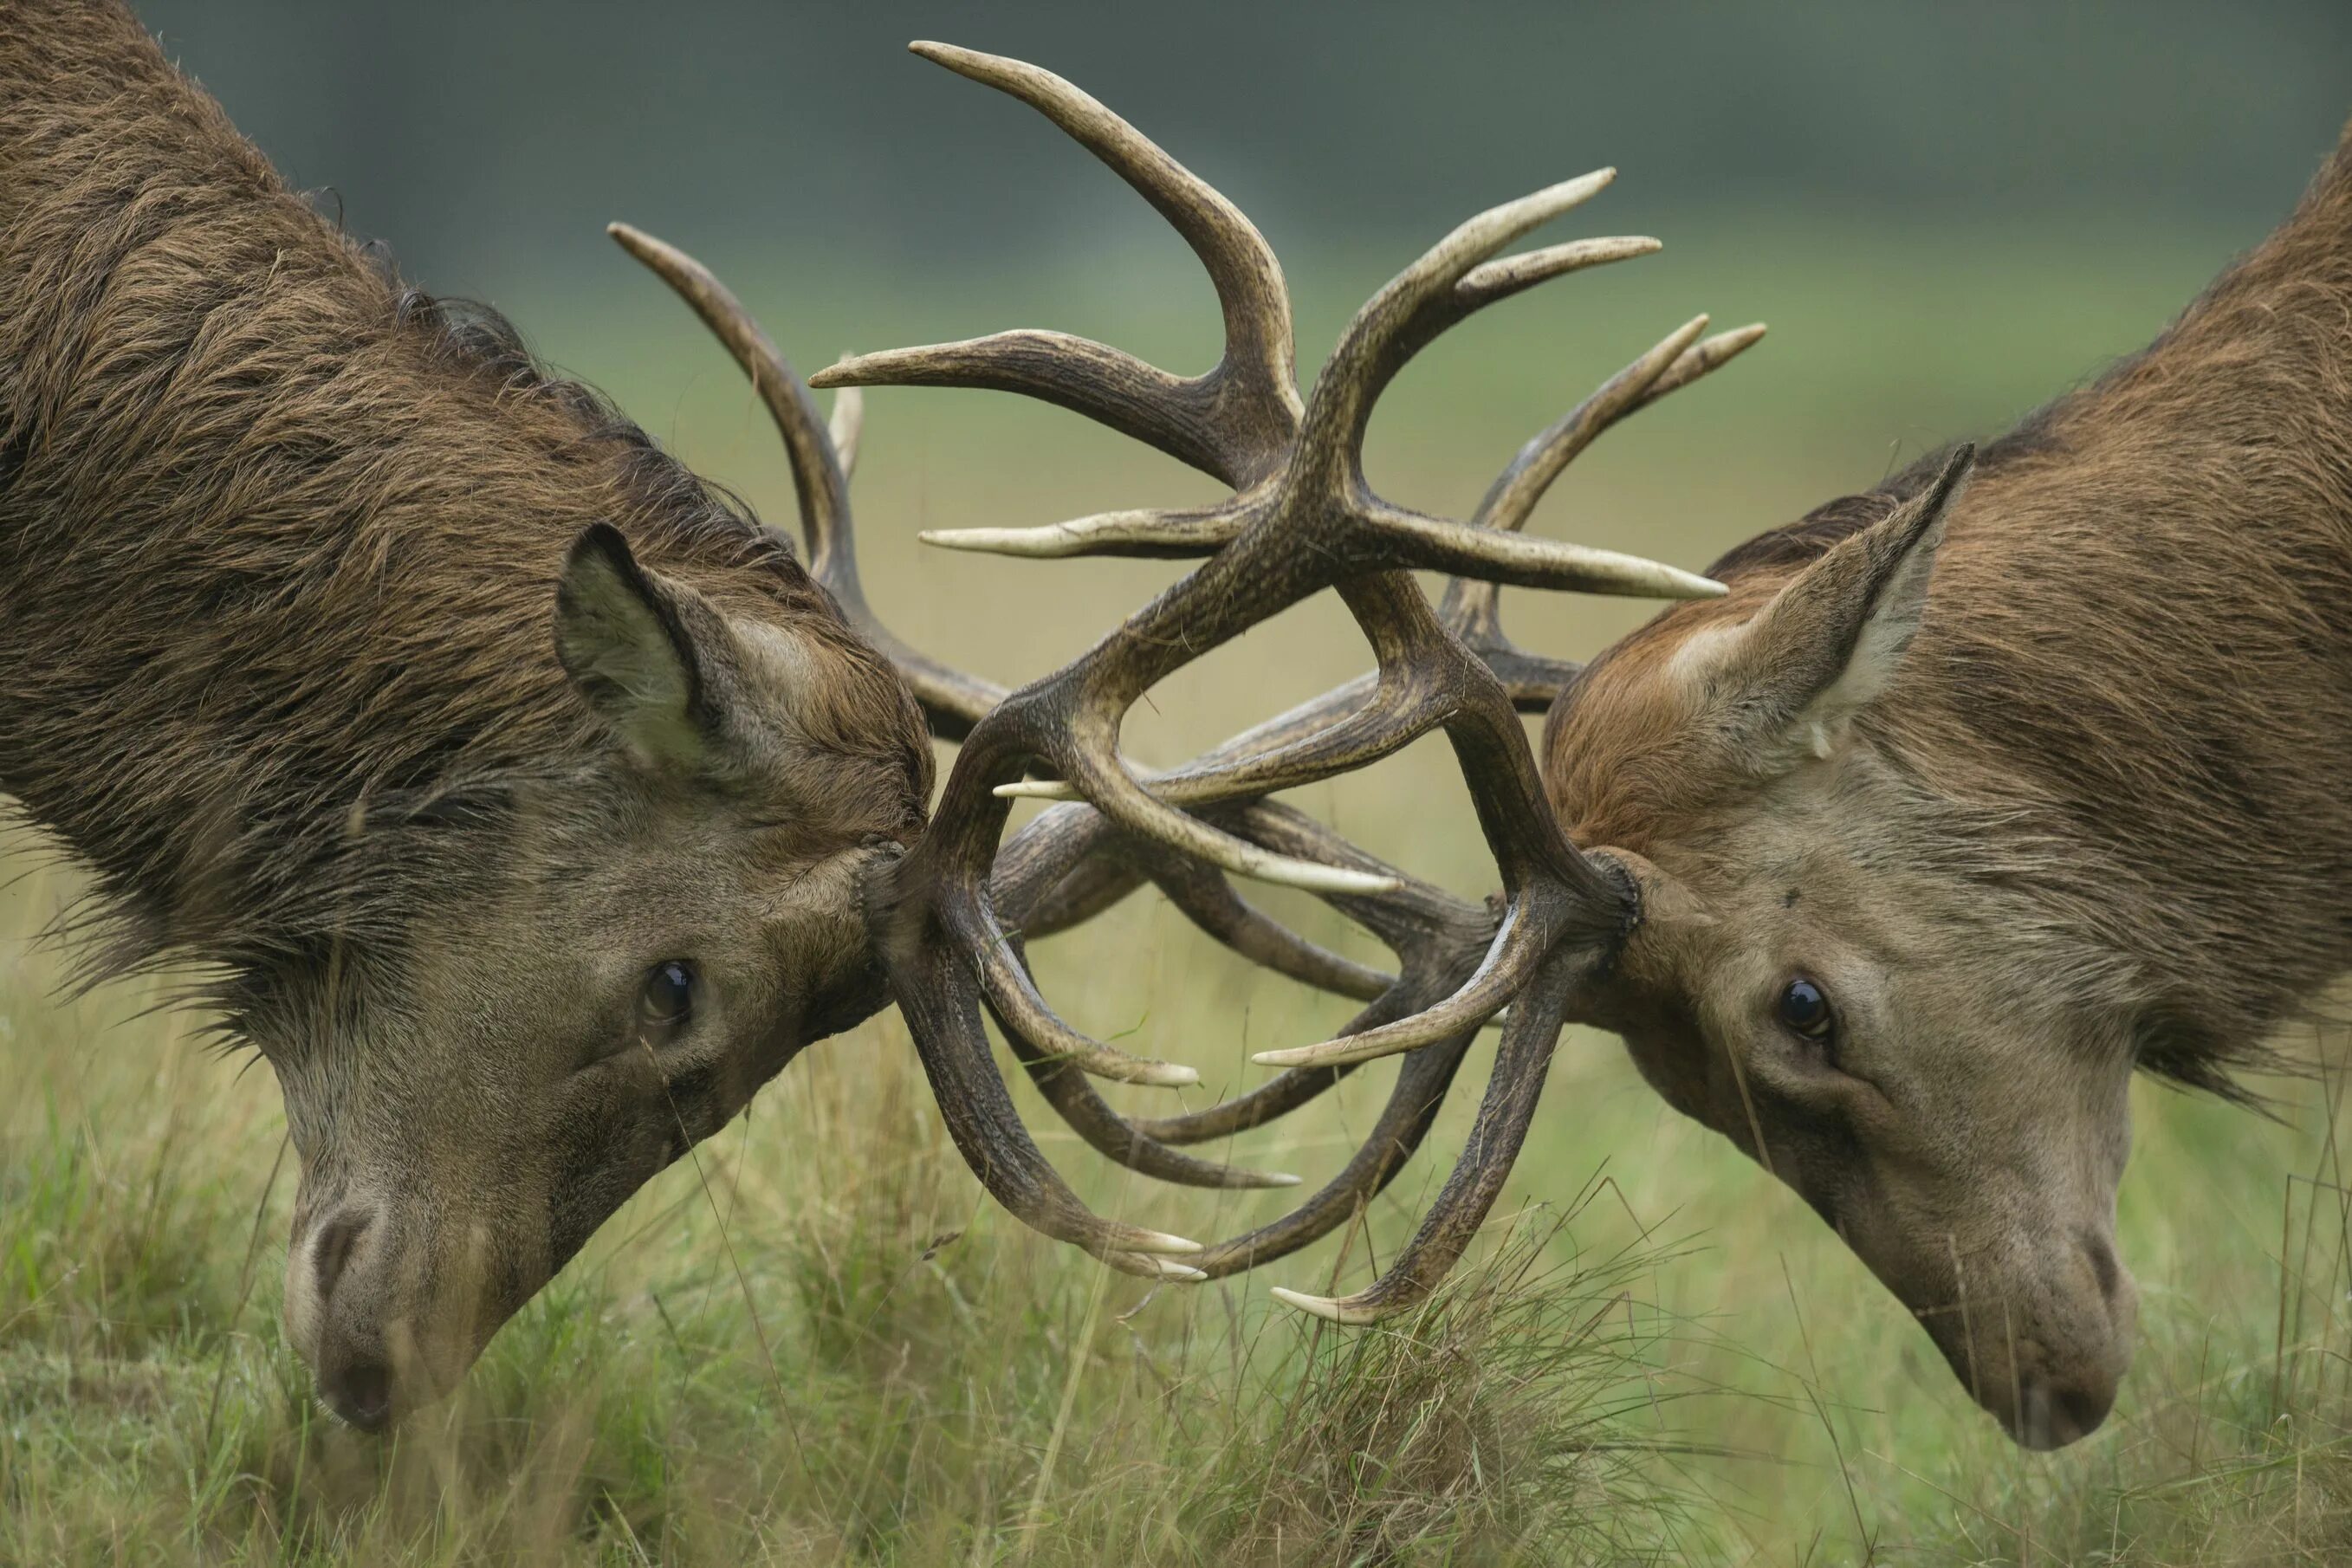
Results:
<point x="1234" y="421"/>
<point x="1437" y="939"/>
<point x="1404" y="1121"/>
<point x="938" y="996"/>
<point x="847" y="423"/>
<point x="1075" y="1099"/>
<point x="951" y="701"/>
<point x="1071" y="864"/>
<point x="1521" y="1065"/>
<point x="1060" y="871"/>
<point x="1209" y="901"/>
<point x="1417" y="687"/>
<point x="1677" y="360"/>
<point x="1471" y="608"/>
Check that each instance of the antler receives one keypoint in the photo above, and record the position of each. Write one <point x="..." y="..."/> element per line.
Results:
<point x="1301" y="519"/>
<point x="951" y="917"/>
<point x="821" y="463"/>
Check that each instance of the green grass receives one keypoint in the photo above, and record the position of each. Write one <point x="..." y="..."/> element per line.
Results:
<point x="818" y="1342"/>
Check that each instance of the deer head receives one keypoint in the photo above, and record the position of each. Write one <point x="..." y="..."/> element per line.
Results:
<point x="605" y="961"/>
<point x="1836" y="972"/>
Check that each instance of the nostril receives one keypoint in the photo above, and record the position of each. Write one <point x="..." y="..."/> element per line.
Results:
<point x="2080" y="1410"/>
<point x="2051" y="1415"/>
<point x="331" y="1252"/>
<point x="360" y="1393"/>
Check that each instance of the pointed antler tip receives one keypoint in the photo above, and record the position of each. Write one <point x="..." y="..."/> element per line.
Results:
<point x="1346" y="1048"/>
<point x="953" y="56"/>
<point x="1160" y="1243"/>
<point x="632" y="238"/>
<point x="1323" y="1307"/>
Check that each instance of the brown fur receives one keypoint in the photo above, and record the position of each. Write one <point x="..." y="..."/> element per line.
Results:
<point x="2099" y="815"/>
<point x="278" y="535"/>
<point x="280" y="541"/>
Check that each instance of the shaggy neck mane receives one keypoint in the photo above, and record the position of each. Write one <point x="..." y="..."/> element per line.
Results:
<point x="278" y="537"/>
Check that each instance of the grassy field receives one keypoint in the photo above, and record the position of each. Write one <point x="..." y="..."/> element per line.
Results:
<point x="816" y="1342"/>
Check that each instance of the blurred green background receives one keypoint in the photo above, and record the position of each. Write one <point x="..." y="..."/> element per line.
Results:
<point x="1947" y="214"/>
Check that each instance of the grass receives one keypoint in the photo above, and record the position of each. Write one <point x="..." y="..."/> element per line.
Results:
<point x="817" y="1342"/>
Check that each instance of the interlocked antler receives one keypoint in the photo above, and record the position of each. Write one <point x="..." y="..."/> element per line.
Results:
<point x="1301" y="519"/>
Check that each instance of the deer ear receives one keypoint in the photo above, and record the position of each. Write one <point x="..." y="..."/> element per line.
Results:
<point x="1830" y="642"/>
<point x="649" y="655"/>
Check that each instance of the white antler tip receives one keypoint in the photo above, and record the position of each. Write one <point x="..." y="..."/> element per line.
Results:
<point x="1314" y="876"/>
<point x="1159" y="1241"/>
<point x="1036" y="542"/>
<point x="1037" y="789"/>
<point x="1323" y="1307"/>
<point x="1329" y="1053"/>
<point x="1169" y="1075"/>
<point x="1584" y="186"/>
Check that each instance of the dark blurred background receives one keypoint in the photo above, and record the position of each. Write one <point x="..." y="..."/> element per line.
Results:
<point x="491" y="140"/>
<point x="1946" y="212"/>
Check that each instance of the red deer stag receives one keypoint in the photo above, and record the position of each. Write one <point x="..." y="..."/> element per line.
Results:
<point x="527" y="806"/>
<point x="1976" y="793"/>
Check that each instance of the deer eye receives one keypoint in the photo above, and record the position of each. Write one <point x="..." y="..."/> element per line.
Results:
<point x="1805" y="1010"/>
<point x="666" y="1002"/>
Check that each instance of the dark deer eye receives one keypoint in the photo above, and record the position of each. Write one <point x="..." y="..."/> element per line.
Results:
<point x="1804" y="1010"/>
<point x="667" y="1003"/>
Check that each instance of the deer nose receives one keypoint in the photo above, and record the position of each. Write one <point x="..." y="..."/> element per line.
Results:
<point x="2052" y="1414"/>
<point x="353" y="1374"/>
<point x="357" y="1388"/>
